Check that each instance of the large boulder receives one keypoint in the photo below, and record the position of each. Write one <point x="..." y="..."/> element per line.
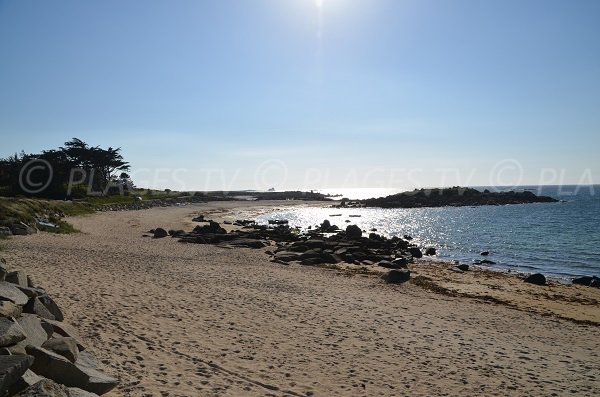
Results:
<point x="17" y="277"/>
<point x="28" y="379"/>
<point x="63" y="329"/>
<point x="400" y="263"/>
<point x="37" y="332"/>
<point x="65" y="346"/>
<point x="353" y="232"/>
<point x="10" y="332"/>
<point x="31" y="292"/>
<point x="9" y="309"/>
<point x="52" y="307"/>
<point x="396" y="276"/>
<point x="415" y="252"/>
<point x="8" y="292"/>
<point x="12" y="369"/>
<point x="59" y="369"/>
<point x="44" y="388"/>
<point x="430" y="251"/>
<point x="34" y="306"/>
<point x="537" y="279"/>
<point x="21" y="229"/>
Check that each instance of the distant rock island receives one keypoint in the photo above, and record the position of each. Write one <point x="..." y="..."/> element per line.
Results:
<point x="454" y="197"/>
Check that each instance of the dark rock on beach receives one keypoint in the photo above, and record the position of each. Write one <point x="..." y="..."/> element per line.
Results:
<point x="212" y="227"/>
<point x="396" y="276"/>
<point x="353" y="231"/>
<point x="415" y="252"/>
<point x="588" y="281"/>
<point x="537" y="279"/>
<point x="159" y="232"/>
<point x="430" y="251"/>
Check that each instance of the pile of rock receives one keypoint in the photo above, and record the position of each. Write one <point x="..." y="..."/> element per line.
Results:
<point x="250" y="236"/>
<point x="39" y="354"/>
<point x="325" y="244"/>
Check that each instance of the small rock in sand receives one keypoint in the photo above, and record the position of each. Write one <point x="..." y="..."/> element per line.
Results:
<point x="159" y="232"/>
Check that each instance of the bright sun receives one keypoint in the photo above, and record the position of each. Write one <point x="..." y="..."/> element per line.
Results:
<point x="319" y="3"/>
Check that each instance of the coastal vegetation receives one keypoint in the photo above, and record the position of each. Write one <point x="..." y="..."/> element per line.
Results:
<point x="73" y="170"/>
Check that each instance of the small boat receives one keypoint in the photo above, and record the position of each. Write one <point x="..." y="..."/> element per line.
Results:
<point x="335" y="215"/>
<point x="354" y="216"/>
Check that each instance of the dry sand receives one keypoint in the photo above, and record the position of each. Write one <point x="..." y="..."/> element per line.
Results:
<point x="172" y="319"/>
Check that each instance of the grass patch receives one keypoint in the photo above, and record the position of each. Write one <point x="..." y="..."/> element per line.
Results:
<point x="145" y="194"/>
<point x="15" y="210"/>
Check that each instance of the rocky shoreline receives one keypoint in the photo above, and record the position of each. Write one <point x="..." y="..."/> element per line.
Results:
<point x="327" y="244"/>
<point x="40" y="355"/>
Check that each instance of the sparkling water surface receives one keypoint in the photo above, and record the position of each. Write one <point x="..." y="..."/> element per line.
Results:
<point x="558" y="239"/>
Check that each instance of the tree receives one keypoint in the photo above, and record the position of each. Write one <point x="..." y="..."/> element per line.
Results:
<point x="96" y="168"/>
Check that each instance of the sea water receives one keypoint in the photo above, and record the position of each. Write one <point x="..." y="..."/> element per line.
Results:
<point x="558" y="239"/>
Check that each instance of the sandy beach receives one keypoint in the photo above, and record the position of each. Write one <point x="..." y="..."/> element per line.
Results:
<point x="172" y="319"/>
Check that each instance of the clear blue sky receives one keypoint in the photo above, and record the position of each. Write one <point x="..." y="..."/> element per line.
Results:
<point x="300" y="93"/>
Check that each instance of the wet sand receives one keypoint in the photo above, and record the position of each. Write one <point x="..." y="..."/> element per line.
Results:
<point x="172" y="319"/>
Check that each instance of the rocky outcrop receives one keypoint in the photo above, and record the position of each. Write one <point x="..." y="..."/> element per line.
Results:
<point x="455" y="197"/>
<point x="313" y="247"/>
<point x="39" y="354"/>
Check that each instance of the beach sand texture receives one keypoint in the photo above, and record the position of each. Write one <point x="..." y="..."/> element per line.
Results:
<point x="172" y="319"/>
